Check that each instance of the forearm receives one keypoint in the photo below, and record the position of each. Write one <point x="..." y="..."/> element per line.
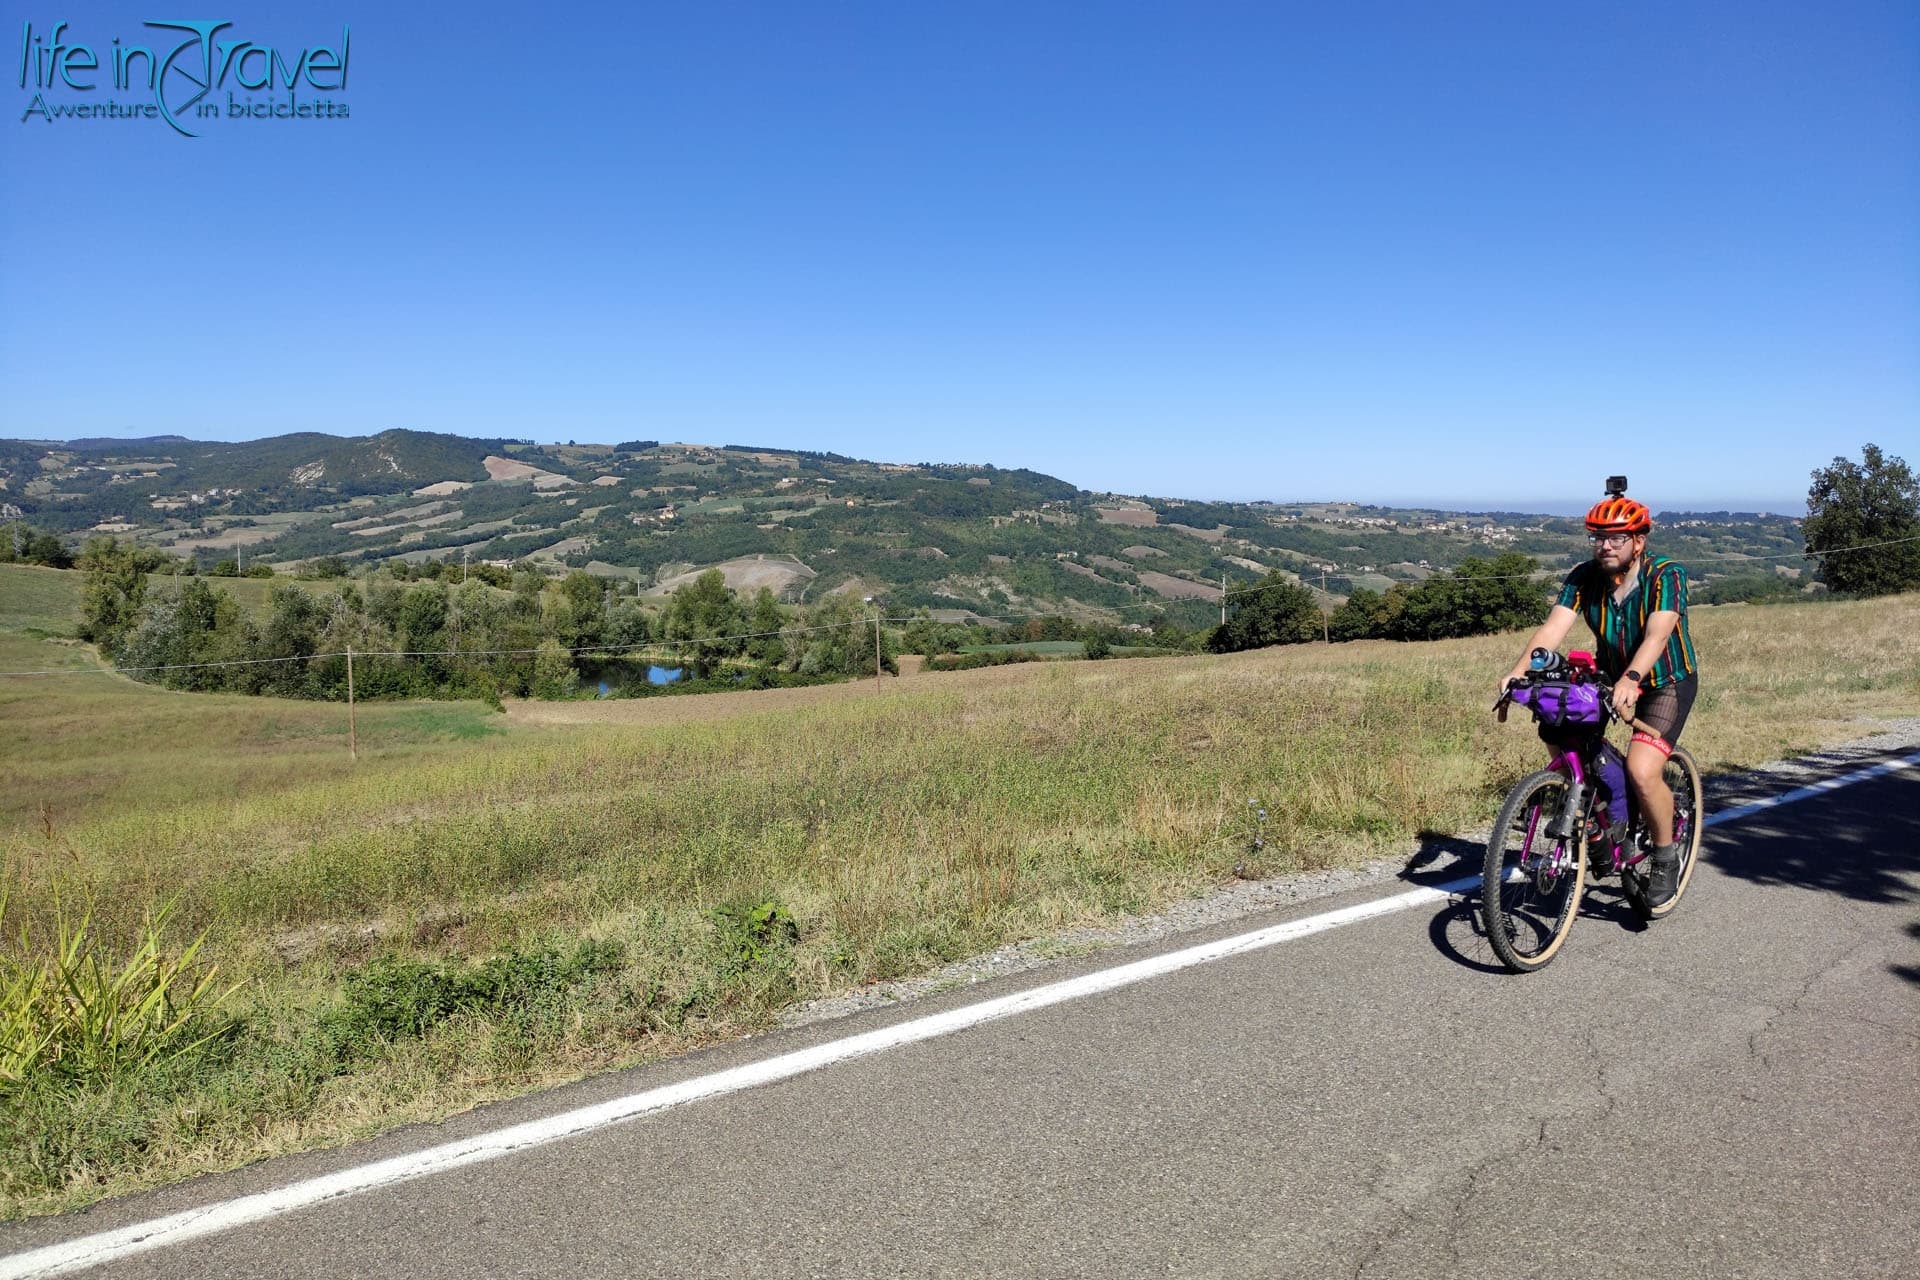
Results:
<point x="1550" y="633"/>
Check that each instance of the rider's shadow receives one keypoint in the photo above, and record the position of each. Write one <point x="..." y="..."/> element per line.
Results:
<point x="1457" y="930"/>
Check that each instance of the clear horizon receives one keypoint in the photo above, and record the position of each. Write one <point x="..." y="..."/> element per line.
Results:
<point x="1233" y="250"/>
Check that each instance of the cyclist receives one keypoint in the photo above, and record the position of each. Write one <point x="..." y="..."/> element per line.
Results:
<point x="1636" y="604"/>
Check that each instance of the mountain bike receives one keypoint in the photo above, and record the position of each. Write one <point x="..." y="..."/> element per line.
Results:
<point x="1577" y="817"/>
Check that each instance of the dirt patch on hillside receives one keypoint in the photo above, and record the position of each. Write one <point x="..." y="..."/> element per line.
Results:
<point x="785" y="577"/>
<point x="1165" y="584"/>
<point x="1141" y="553"/>
<point x="1141" y="517"/>
<point x="442" y="488"/>
<point x="1205" y="535"/>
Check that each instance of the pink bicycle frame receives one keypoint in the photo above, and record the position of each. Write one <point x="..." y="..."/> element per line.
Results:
<point x="1568" y="762"/>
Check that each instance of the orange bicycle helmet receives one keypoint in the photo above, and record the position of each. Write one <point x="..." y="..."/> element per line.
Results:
<point x="1617" y="513"/>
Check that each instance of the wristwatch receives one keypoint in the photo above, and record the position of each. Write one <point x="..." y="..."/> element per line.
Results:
<point x="1634" y="676"/>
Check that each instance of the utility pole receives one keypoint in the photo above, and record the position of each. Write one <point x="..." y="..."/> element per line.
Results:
<point x="353" y="738"/>
<point x="1223" y="599"/>
<point x="464" y="551"/>
<point x="1326" y="631"/>
<point x="876" y="638"/>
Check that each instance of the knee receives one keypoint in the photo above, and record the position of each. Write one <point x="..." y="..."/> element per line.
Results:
<point x="1646" y="766"/>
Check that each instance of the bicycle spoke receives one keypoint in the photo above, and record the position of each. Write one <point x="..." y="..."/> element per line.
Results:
<point x="1530" y="882"/>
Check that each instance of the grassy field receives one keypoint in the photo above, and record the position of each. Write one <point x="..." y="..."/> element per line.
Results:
<point x="487" y="904"/>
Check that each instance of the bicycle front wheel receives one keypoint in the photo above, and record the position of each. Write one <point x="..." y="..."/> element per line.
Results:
<point x="1682" y="778"/>
<point x="1530" y="883"/>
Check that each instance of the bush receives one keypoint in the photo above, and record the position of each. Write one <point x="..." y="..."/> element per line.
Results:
<point x="391" y="999"/>
<point x="1272" y="611"/>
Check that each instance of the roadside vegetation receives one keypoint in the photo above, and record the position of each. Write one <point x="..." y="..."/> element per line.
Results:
<point x="478" y="906"/>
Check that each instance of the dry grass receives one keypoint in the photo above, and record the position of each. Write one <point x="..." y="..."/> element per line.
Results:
<point x="900" y="829"/>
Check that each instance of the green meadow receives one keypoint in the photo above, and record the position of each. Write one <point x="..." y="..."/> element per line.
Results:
<point x="479" y="906"/>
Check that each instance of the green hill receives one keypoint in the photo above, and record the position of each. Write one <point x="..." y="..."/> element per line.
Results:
<point x="971" y="539"/>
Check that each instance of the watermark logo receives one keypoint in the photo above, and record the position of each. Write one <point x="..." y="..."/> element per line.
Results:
<point x="179" y="75"/>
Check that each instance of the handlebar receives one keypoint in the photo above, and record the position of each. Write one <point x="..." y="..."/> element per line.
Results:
<point x="1506" y="700"/>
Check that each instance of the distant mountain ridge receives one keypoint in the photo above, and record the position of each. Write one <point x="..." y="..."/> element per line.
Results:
<point x="95" y="444"/>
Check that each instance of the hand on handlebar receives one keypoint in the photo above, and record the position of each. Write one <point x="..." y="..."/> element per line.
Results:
<point x="1507" y="683"/>
<point x="1626" y="696"/>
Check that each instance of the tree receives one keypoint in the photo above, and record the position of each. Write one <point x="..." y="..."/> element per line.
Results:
<point x="190" y="626"/>
<point x="926" y="636"/>
<point x="767" y="646"/>
<point x="1478" y="598"/>
<point x="703" y="621"/>
<point x="112" y="589"/>
<point x="420" y="615"/>
<point x="1271" y="611"/>
<point x="553" y="673"/>
<point x="1362" y="617"/>
<point x="1852" y="505"/>
<point x="627" y="625"/>
<point x="838" y="640"/>
<point x="292" y="631"/>
<point x="577" y="610"/>
<point x="325" y="567"/>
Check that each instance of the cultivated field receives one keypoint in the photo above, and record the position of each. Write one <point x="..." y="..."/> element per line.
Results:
<point x="1165" y="584"/>
<point x="485" y="904"/>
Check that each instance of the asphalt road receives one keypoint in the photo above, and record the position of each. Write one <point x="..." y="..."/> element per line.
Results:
<point x="1732" y="1091"/>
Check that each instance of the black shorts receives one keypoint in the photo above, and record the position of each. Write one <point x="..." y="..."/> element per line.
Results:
<point x="1665" y="709"/>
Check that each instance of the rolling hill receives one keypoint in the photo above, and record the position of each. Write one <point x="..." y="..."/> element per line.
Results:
<point x="964" y="539"/>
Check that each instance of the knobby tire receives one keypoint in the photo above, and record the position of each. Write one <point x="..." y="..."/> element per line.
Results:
<point x="1503" y="904"/>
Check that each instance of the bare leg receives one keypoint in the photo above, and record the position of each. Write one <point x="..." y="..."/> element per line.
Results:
<point x="1645" y="765"/>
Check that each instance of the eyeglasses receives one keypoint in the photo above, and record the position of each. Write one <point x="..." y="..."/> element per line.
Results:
<point x="1610" y="539"/>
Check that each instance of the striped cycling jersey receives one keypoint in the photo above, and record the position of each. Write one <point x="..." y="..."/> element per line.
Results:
<point x="1620" y="625"/>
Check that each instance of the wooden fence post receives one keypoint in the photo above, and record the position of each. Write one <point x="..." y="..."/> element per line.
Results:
<point x="353" y="737"/>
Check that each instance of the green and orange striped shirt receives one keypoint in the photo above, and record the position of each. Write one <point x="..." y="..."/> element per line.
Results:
<point x="1620" y="625"/>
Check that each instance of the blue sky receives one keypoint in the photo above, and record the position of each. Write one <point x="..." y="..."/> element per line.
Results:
<point x="1479" y="253"/>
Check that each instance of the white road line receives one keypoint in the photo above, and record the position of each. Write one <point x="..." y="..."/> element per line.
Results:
<point x="109" y="1246"/>
<point x="1831" y="784"/>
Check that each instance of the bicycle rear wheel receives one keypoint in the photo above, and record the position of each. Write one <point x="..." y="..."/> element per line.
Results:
<point x="1682" y="777"/>
<point x="1530" y="884"/>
